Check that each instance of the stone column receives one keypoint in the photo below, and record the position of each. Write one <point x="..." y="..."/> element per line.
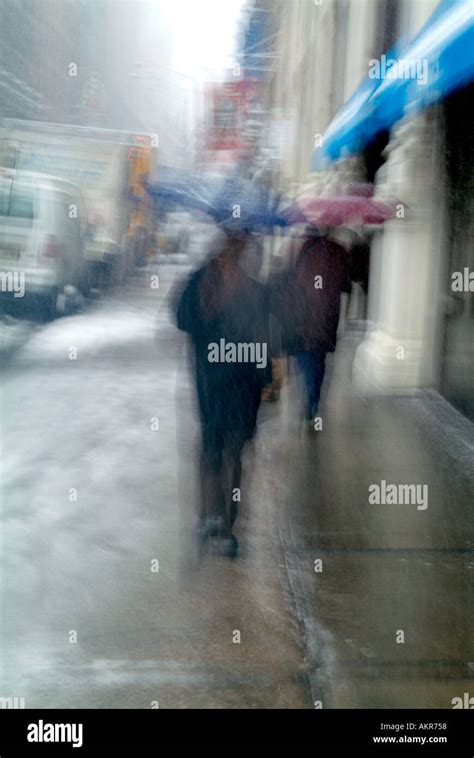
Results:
<point x="401" y="351"/>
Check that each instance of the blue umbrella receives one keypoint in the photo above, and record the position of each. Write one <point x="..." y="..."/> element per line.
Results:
<point x="178" y="193"/>
<point x="229" y="199"/>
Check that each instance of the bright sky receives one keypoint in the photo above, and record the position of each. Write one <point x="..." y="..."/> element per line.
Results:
<point x="203" y="34"/>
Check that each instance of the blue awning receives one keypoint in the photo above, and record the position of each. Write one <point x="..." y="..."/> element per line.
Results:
<point x="439" y="60"/>
<point x="354" y="125"/>
<point x="346" y="133"/>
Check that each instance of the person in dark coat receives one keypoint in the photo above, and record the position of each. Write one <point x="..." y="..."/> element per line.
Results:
<point x="225" y="312"/>
<point x="308" y="306"/>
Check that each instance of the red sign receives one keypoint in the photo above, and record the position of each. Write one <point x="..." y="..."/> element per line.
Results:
<point x="226" y="106"/>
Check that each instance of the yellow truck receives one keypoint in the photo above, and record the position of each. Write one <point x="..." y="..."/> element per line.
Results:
<point x="111" y="169"/>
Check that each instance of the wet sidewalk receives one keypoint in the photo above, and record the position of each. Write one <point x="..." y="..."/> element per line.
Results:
<point x="384" y="591"/>
<point x="102" y="604"/>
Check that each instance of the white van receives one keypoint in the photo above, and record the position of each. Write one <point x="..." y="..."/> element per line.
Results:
<point x="42" y="233"/>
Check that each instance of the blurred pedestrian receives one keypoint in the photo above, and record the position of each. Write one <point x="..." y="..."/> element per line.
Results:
<point x="307" y="301"/>
<point x="224" y="310"/>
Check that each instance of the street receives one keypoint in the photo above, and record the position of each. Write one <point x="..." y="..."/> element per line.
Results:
<point x="104" y="604"/>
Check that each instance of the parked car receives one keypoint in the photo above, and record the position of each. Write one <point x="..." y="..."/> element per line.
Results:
<point x="42" y="231"/>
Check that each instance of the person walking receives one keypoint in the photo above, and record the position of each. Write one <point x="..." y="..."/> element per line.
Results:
<point x="225" y="312"/>
<point x="308" y="305"/>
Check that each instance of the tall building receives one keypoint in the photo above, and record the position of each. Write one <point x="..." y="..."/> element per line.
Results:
<point x="49" y="58"/>
<point x="20" y="96"/>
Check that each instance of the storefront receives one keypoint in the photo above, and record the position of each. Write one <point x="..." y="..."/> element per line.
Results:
<point x="457" y="368"/>
<point x="417" y="328"/>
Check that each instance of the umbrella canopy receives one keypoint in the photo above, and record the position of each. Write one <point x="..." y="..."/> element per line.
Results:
<point x="338" y="211"/>
<point x="228" y="199"/>
<point x="179" y="193"/>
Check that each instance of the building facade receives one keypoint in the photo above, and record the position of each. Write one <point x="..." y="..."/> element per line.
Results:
<point x="419" y="331"/>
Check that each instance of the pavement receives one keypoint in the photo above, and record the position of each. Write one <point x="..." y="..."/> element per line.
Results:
<point x="332" y="601"/>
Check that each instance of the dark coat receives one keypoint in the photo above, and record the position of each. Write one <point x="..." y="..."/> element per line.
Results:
<point x="306" y="297"/>
<point x="229" y="393"/>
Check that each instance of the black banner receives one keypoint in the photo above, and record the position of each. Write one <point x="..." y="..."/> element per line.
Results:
<point x="137" y="732"/>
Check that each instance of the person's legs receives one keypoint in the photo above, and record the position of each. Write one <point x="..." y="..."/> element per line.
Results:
<point x="231" y="480"/>
<point x="233" y="468"/>
<point x="305" y="364"/>
<point x="318" y="367"/>
<point x="211" y="484"/>
<point x="312" y="366"/>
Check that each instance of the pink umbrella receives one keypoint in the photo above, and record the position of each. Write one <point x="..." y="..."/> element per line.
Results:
<point x="337" y="211"/>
